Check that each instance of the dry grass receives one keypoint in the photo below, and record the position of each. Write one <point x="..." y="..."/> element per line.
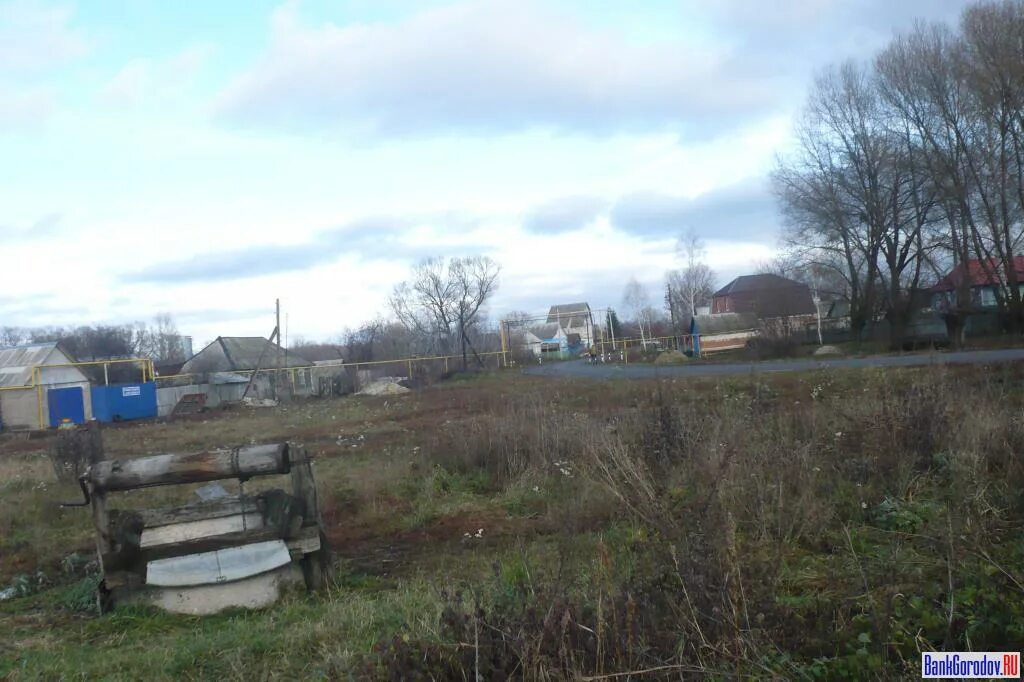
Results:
<point x="823" y="525"/>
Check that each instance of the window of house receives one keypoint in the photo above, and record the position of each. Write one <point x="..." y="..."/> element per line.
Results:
<point x="988" y="296"/>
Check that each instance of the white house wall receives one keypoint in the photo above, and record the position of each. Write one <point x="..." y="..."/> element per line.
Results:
<point x="19" y="409"/>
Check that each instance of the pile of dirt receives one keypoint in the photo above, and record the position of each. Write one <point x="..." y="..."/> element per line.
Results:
<point x="385" y="386"/>
<point x="671" y="357"/>
<point x="259" y="402"/>
<point x="828" y="350"/>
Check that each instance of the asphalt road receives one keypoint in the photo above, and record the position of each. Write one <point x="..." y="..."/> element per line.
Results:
<point x="582" y="369"/>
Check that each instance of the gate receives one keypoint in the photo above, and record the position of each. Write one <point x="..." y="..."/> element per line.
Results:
<point x="66" y="403"/>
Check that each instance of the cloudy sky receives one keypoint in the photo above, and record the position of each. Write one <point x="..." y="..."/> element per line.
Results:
<point x="204" y="158"/>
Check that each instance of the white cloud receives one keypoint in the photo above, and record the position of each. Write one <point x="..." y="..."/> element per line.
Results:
<point x="152" y="80"/>
<point x="35" y="35"/>
<point x="491" y="66"/>
<point x="790" y="39"/>
<point x="33" y="38"/>
<point x="128" y="86"/>
<point x="22" y="109"/>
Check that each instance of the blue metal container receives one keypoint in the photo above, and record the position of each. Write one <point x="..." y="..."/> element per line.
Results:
<point x="121" y="402"/>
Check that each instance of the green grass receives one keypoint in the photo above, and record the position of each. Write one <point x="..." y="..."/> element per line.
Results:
<point x="301" y="637"/>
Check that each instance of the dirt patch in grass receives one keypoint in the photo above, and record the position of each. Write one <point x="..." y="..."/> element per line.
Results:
<point x="441" y="543"/>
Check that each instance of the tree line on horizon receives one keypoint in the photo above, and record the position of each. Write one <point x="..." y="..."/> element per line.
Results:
<point x="157" y="340"/>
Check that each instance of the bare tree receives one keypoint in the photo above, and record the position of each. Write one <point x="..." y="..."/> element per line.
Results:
<point x="960" y="94"/>
<point x="165" y="339"/>
<point x="12" y="336"/>
<point x="425" y="305"/>
<point x="637" y="301"/>
<point x="857" y="196"/>
<point x="476" y="280"/>
<point x="691" y="286"/>
<point x="443" y="301"/>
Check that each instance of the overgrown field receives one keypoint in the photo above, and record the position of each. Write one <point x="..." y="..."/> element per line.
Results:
<point x="823" y="526"/>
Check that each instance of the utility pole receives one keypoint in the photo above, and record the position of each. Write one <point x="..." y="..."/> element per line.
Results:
<point x="275" y="337"/>
<point x="611" y="327"/>
<point x="277" y="333"/>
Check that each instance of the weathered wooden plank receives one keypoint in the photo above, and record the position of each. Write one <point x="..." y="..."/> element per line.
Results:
<point x="197" y="467"/>
<point x="207" y="544"/>
<point x="304" y="543"/>
<point x="101" y="522"/>
<point x="197" y="511"/>
<point x="123" y="563"/>
<point x="200" y="528"/>
<point x="304" y="487"/>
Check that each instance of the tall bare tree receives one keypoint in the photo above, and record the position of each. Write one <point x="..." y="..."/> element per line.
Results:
<point x="691" y="286"/>
<point x="857" y="196"/>
<point x="443" y="301"/>
<point x="476" y="280"/>
<point x="960" y="95"/>
<point x="165" y="339"/>
<point x="637" y="301"/>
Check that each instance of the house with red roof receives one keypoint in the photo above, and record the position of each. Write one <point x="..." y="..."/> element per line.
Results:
<point x="984" y="278"/>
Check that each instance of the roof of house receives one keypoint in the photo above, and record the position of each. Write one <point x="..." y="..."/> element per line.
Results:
<point x="725" y="323"/>
<point x="246" y="352"/>
<point x="16" y="363"/>
<point x="546" y="331"/>
<point x="769" y="295"/>
<point x="168" y="368"/>
<point x="763" y="282"/>
<point x="980" y="273"/>
<point x="571" y="314"/>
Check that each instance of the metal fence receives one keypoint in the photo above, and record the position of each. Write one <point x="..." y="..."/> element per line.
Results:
<point x="309" y="380"/>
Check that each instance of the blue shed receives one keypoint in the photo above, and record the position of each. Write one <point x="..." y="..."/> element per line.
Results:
<point x="121" y="402"/>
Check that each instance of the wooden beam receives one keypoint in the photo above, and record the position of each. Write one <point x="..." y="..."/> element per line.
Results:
<point x="197" y="511"/>
<point x="307" y="540"/>
<point x="304" y="487"/>
<point x="201" y="528"/>
<point x="197" y="467"/>
<point x="207" y="544"/>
